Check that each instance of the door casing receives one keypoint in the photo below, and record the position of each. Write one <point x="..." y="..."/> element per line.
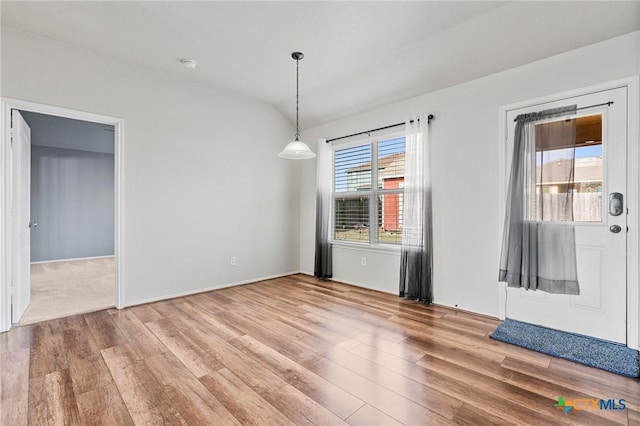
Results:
<point x="633" y="189"/>
<point x="6" y="227"/>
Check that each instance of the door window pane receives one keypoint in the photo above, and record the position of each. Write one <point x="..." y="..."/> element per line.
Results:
<point x="555" y="163"/>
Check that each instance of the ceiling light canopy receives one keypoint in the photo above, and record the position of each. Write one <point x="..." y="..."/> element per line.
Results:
<point x="297" y="150"/>
<point x="189" y="63"/>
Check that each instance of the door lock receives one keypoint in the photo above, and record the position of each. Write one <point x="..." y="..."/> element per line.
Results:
<point x="615" y="229"/>
<point x="615" y="204"/>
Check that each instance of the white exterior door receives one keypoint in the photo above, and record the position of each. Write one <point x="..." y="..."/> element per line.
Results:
<point x="600" y="170"/>
<point x="21" y="216"/>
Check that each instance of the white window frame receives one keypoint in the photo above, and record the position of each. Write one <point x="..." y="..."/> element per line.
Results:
<point x="373" y="244"/>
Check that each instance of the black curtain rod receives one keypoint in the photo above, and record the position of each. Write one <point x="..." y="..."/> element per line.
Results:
<point x="366" y="132"/>
<point x="590" y="106"/>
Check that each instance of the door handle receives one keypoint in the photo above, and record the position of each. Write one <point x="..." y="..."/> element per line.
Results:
<point x="615" y="204"/>
<point x="33" y="224"/>
<point x="615" y="228"/>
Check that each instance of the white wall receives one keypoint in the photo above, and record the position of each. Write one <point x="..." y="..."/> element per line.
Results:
<point x="464" y="136"/>
<point x="202" y="180"/>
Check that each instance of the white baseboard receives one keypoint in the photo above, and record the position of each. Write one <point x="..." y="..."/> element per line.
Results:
<point x="462" y="309"/>
<point x="204" y="290"/>
<point x="72" y="259"/>
<point x="390" y="292"/>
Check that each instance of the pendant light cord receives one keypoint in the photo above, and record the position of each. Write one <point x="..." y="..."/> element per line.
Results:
<point x="297" y="99"/>
<point x="296" y="149"/>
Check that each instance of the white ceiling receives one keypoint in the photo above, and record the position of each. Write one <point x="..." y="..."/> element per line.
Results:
<point x="358" y="55"/>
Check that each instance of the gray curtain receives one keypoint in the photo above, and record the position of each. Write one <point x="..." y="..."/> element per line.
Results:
<point x="538" y="248"/>
<point x="416" y="250"/>
<point x="323" y="268"/>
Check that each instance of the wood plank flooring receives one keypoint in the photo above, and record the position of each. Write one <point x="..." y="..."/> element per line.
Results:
<point x="292" y="350"/>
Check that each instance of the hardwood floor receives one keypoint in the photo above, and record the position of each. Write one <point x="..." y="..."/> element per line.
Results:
<point x="292" y="350"/>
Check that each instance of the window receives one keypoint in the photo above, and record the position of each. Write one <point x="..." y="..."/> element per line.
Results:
<point x="366" y="213"/>
<point x="555" y="162"/>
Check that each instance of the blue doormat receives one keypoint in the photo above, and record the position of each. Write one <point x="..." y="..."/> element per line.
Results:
<point x="608" y="356"/>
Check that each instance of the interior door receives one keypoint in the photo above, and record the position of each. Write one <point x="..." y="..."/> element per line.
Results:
<point x="21" y="250"/>
<point x="600" y="170"/>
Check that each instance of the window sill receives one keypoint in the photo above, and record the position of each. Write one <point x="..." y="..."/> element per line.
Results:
<point x="374" y="248"/>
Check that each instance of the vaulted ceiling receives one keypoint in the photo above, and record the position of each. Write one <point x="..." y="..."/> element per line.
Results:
<point x="358" y="55"/>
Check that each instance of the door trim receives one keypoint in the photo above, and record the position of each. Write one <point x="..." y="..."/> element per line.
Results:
<point x="633" y="187"/>
<point x="6" y="105"/>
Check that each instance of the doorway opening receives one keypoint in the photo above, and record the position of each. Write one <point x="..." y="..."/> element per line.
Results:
<point x="67" y="213"/>
<point x="72" y="216"/>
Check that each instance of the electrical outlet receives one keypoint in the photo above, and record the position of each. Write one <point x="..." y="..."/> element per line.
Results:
<point x="363" y="261"/>
<point x="232" y="261"/>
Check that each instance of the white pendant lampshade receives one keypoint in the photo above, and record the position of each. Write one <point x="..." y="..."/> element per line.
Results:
<point x="297" y="150"/>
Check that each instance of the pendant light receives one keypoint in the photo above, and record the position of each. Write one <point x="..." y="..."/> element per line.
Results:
<point x="297" y="150"/>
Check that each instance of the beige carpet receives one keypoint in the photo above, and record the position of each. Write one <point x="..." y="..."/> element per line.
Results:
<point x="60" y="289"/>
